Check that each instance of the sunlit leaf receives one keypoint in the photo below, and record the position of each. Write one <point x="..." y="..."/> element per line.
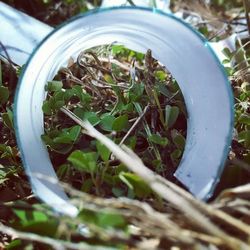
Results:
<point x="84" y="161"/>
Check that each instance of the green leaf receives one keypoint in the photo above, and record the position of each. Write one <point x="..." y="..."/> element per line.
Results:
<point x="57" y="144"/>
<point x="103" y="151"/>
<point x="47" y="140"/>
<point x="59" y="96"/>
<point x="176" y="154"/>
<point x="64" y="139"/>
<point x="178" y="139"/>
<point x="62" y="170"/>
<point x="87" y="185"/>
<point x="245" y="86"/>
<point x="88" y="216"/>
<point x="2" y="148"/>
<point x="79" y="112"/>
<point x="157" y="139"/>
<point x="4" y="94"/>
<point x="135" y="183"/>
<point x="68" y="93"/>
<point x="131" y="142"/>
<point x="45" y="228"/>
<point x="204" y="30"/>
<point x="109" y="79"/>
<point x="107" y="122"/>
<point x="120" y="123"/>
<point x="85" y="99"/>
<point x="160" y="75"/>
<point x="118" y="192"/>
<point x="28" y="217"/>
<point x="84" y="161"/>
<point x="229" y="71"/>
<point x="29" y="247"/>
<point x="14" y="244"/>
<point x="157" y="164"/>
<point x="59" y="104"/>
<point x="226" y="61"/>
<point x="47" y="109"/>
<point x="77" y="90"/>
<point x="35" y="222"/>
<point x="171" y="115"/>
<point x="124" y="180"/>
<point x="227" y="52"/>
<point x="3" y="175"/>
<point x="161" y="87"/>
<point x="54" y="86"/>
<point x="91" y="117"/>
<point x="8" y="119"/>
<point x="109" y="179"/>
<point x="136" y="92"/>
<point x="106" y="220"/>
<point x="116" y="49"/>
<point x="244" y="119"/>
<point x="74" y="132"/>
<point x="244" y="137"/>
<point x="7" y="151"/>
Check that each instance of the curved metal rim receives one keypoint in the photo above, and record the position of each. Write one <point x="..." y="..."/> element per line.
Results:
<point x="156" y="11"/>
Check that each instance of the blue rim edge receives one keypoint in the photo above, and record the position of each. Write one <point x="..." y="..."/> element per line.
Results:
<point x="157" y="11"/>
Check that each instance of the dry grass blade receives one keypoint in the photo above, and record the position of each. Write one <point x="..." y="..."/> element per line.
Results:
<point x="191" y="211"/>
<point x="54" y="243"/>
<point x="209" y="210"/>
<point x="150" y="221"/>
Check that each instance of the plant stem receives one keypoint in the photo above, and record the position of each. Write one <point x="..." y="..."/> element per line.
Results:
<point x="159" y="109"/>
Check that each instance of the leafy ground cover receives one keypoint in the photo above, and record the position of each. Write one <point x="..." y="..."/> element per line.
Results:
<point x="129" y="97"/>
<point x="119" y="210"/>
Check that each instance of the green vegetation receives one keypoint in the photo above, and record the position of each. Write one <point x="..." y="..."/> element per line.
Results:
<point x="135" y="102"/>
